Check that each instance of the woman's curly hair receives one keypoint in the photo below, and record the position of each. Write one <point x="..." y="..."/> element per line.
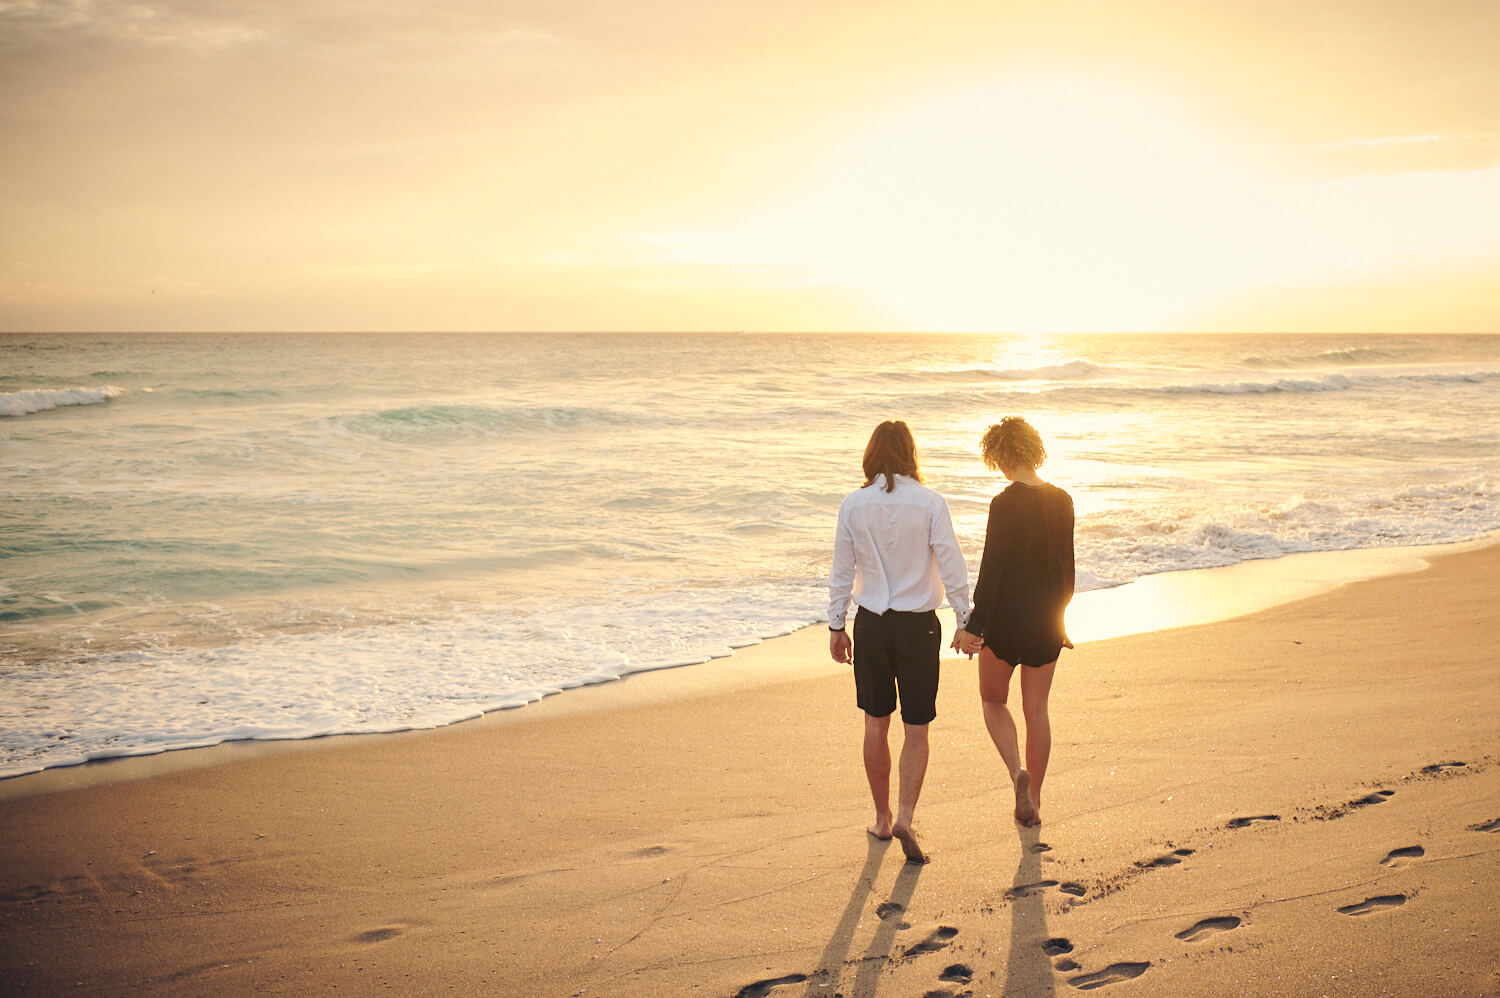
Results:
<point x="1012" y="443"/>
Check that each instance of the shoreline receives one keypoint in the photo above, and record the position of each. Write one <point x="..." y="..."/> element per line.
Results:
<point x="1285" y="803"/>
<point x="1152" y="603"/>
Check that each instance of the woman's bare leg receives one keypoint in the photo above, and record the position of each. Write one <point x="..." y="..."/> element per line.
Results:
<point x="994" y="691"/>
<point x="1036" y="686"/>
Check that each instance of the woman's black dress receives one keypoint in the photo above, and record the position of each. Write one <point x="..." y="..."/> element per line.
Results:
<point x="1026" y="575"/>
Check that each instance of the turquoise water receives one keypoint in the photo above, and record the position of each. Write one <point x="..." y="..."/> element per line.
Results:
<point x="211" y="536"/>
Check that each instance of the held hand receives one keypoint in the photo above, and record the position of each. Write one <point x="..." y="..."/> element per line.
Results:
<point x="967" y="643"/>
<point x="840" y="647"/>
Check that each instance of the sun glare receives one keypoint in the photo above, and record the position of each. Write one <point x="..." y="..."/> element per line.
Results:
<point x="1065" y="205"/>
<point x="1027" y="206"/>
<point x="1039" y="206"/>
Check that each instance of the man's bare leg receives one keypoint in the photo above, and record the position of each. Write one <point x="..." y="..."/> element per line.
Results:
<point x="913" y="772"/>
<point x="878" y="772"/>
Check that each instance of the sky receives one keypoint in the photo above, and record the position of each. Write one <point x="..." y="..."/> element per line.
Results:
<point x="814" y="165"/>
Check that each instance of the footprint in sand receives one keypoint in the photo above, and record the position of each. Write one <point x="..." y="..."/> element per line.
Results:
<point x="1374" y="904"/>
<point x="1075" y="889"/>
<point x="1487" y="826"/>
<point x="1027" y="890"/>
<point x="1440" y="766"/>
<point x="1208" y="927"/>
<point x="1378" y="797"/>
<point x="1170" y="859"/>
<point x="378" y="935"/>
<point x="888" y="910"/>
<point x="1113" y="974"/>
<point x="1400" y="857"/>
<point x="939" y="939"/>
<point x="762" y="988"/>
<point x="651" y="852"/>
<point x="1057" y="946"/>
<point x="1067" y="963"/>
<point x="1249" y="820"/>
<point x="958" y="973"/>
<point x="1039" y="847"/>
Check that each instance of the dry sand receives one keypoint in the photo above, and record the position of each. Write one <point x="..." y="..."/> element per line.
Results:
<point x="1304" y="801"/>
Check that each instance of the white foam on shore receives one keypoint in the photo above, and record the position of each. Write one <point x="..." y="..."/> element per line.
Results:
<point x="393" y="676"/>
<point x="398" y="677"/>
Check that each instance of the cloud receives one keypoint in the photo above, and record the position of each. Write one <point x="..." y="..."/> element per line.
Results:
<point x="391" y="271"/>
<point x="320" y="31"/>
<point x="1394" y="140"/>
<point x="1408" y="152"/>
<point x="1419" y="299"/>
<point x="156" y="24"/>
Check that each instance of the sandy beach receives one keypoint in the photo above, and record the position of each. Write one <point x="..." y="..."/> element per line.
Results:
<point x="1302" y="801"/>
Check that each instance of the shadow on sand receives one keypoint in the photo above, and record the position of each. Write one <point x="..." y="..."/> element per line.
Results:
<point x="825" y="981"/>
<point x="1028" y="966"/>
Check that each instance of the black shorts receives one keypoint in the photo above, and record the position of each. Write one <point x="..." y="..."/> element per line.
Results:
<point x="897" y="649"/>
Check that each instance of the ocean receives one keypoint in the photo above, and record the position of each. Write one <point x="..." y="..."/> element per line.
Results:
<point x="210" y="537"/>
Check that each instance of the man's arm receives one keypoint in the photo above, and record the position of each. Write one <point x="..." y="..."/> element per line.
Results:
<point x="950" y="561"/>
<point x="841" y="574"/>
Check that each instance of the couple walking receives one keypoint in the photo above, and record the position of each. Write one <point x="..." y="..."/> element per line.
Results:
<point x="894" y="555"/>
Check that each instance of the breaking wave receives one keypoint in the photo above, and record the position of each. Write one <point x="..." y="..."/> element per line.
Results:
<point x="24" y="403"/>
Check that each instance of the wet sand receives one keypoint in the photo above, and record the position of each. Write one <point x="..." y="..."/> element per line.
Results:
<point x="1302" y="801"/>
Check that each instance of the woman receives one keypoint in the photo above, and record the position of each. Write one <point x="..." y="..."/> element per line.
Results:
<point x="1025" y="584"/>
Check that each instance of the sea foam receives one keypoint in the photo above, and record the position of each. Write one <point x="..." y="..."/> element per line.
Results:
<point x="24" y="403"/>
<point x="382" y="677"/>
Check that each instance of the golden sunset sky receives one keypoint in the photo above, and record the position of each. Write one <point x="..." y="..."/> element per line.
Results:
<point x="771" y="165"/>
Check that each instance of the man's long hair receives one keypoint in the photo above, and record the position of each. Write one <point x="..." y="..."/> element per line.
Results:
<point x="891" y="452"/>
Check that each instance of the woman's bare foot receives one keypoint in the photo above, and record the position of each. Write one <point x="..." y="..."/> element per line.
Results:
<point x="1025" y="810"/>
<point x="882" y="828"/>
<point x="909" y="845"/>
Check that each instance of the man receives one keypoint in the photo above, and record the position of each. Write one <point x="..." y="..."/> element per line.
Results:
<point x="894" y="555"/>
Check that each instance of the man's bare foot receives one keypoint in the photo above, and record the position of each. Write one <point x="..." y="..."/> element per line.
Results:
<point x="881" y="829"/>
<point x="909" y="845"/>
<point x="1026" y="814"/>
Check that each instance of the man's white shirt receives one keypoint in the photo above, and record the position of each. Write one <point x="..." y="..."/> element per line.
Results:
<point x="896" y="551"/>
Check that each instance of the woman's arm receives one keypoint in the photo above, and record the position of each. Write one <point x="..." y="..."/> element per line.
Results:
<point x="991" y="565"/>
<point x="1069" y="581"/>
